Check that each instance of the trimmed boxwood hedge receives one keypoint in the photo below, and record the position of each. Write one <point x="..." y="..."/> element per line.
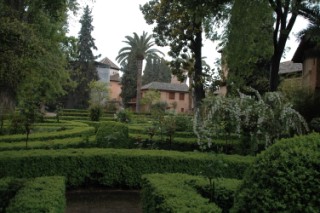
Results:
<point x="170" y="193"/>
<point x="113" y="167"/>
<point x="42" y="194"/>
<point x="75" y="142"/>
<point x="8" y="189"/>
<point x="284" y="178"/>
<point x="232" y="146"/>
<point x="81" y="131"/>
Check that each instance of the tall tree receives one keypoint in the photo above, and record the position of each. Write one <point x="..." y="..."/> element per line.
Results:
<point x="84" y="70"/>
<point x="156" y="70"/>
<point x="140" y="47"/>
<point x="32" y="60"/>
<point x="286" y="12"/>
<point x="180" y="24"/>
<point x="248" y="46"/>
<point x="128" y="80"/>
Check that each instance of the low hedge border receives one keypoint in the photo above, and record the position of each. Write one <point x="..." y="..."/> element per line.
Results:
<point x="75" y="142"/>
<point x="114" y="167"/>
<point x="232" y="146"/>
<point x="8" y="189"/>
<point x="174" y="193"/>
<point x="43" y="136"/>
<point x="42" y="194"/>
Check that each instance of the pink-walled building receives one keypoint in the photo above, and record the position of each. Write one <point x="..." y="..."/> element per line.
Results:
<point x="176" y="95"/>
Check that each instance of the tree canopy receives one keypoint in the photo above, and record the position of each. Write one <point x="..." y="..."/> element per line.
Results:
<point x="156" y="70"/>
<point x="139" y="47"/>
<point x="286" y="13"/>
<point x="32" y="59"/>
<point x="83" y="69"/>
<point x="180" y="24"/>
<point x="248" y="46"/>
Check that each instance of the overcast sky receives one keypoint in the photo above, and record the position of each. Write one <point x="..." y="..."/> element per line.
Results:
<point x="113" y="20"/>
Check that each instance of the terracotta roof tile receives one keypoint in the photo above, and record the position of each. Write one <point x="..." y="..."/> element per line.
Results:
<point x="166" y="87"/>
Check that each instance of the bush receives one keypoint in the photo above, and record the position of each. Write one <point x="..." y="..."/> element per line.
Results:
<point x="184" y="123"/>
<point x="43" y="194"/>
<point x="284" y="178"/>
<point x="124" y="116"/>
<point x="95" y="113"/>
<point x="315" y="124"/>
<point x="112" y="167"/>
<point x="113" y="135"/>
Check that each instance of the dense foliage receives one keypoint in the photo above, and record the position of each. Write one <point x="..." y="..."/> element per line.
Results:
<point x="248" y="45"/>
<point x="83" y="68"/>
<point x="180" y="24"/>
<point x="113" y="134"/>
<point x="139" y="48"/>
<point x="156" y="70"/>
<point x="286" y="177"/>
<point x="112" y="167"/>
<point x="42" y="194"/>
<point x="254" y="118"/>
<point x="32" y="56"/>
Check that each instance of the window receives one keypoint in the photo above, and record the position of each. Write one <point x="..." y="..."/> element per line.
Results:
<point x="181" y="96"/>
<point x="182" y="109"/>
<point x="171" y="95"/>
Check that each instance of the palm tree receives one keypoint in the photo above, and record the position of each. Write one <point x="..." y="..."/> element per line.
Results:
<point x="312" y="14"/>
<point x="141" y="48"/>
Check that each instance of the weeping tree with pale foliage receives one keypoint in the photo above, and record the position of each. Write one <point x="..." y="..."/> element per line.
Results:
<point x="141" y="48"/>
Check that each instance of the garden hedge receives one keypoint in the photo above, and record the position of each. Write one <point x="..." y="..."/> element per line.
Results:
<point x="284" y="178"/>
<point x="8" y="189"/>
<point x="42" y="194"/>
<point x="162" y="193"/>
<point x="184" y="193"/>
<point x="75" y="142"/>
<point x="113" y="167"/>
<point x="81" y="131"/>
<point x="232" y="146"/>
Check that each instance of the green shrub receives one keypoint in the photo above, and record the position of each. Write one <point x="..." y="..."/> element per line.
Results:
<point x="170" y="193"/>
<point x="284" y="178"/>
<point x="315" y="124"/>
<point x="43" y="194"/>
<point x="184" y="123"/>
<point x="124" y="116"/>
<point x="113" y="167"/>
<point x="8" y="189"/>
<point x="113" y="134"/>
<point x="95" y="113"/>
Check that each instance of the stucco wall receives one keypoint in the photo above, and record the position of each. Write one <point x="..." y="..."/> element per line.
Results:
<point x="115" y="90"/>
<point x="311" y="73"/>
<point x="182" y="106"/>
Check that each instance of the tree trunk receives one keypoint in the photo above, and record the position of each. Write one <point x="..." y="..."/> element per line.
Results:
<point x="198" y="81"/>
<point x="139" y="72"/>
